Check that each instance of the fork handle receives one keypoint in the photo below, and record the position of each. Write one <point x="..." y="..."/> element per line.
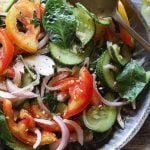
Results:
<point x="136" y="36"/>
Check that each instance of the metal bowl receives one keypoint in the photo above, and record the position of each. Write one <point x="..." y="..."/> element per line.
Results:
<point x="120" y="137"/>
<point x="133" y="123"/>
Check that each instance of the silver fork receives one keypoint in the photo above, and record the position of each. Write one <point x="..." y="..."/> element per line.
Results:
<point x="108" y="8"/>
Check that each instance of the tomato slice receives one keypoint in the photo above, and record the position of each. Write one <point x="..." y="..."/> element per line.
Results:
<point x="96" y="98"/>
<point x="81" y="94"/>
<point x="66" y="83"/>
<point x="24" y="11"/>
<point x="6" y="50"/>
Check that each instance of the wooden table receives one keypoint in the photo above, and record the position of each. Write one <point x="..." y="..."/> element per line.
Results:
<point x="142" y="140"/>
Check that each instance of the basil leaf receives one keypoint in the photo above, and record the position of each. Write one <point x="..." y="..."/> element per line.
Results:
<point x="7" y="138"/>
<point x="131" y="81"/>
<point x="59" y="22"/>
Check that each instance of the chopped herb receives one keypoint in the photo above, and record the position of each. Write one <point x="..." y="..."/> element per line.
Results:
<point x="35" y="21"/>
<point x="51" y="101"/>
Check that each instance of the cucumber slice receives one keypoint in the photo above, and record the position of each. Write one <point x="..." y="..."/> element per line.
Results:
<point x="68" y="56"/>
<point x="104" y="21"/>
<point x="26" y="79"/>
<point x="85" y="24"/>
<point x="6" y="4"/>
<point x="100" y="119"/>
<point x="120" y="55"/>
<point x="105" y="74"/>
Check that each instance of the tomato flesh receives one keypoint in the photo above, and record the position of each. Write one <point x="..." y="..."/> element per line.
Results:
<point x="6" y="50"/>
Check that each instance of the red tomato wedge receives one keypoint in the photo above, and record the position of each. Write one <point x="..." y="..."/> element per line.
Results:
<point x="6" y="50"/>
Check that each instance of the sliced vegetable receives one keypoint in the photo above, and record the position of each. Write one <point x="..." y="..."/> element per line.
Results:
<point x="20" y="130"/>
<point x="121" y="55"/>
<point x="124" y="35"/>
<point x="85" y="24"/>
<point x="104" y="21"/>
<point x="104" y="73"/>
<point x="20" y="29"/>
<point x="100" y="119"/>
<point x="131" y="81"/>
<point x="65" y="133"/>
<point x="7" y="137"/>
<point x="6" y="4"/>
<point x="26" y="79"/>
<point x="6" y="49"/>
<point x="69" y="56"/>
<point x="44" y="65"/>
<point x="81" y="94"/>
<point x="59" y="22"/>
<point x="77" y="128"/>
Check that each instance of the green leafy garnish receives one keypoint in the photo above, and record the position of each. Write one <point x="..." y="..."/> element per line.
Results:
<point x="7" y="137"/>
<point x="59" y="22"/>
<point x="35" y="21"/>
<point x="51" y="101"/>
<point x="131" y="81"/>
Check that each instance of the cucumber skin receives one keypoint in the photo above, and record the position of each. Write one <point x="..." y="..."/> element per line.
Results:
<point x="102" y="125"/>
<point x="73" y="58"/>
<point x="115" y="56"/>
<point x="100" y="70"/>
<point x="79" y="11"/>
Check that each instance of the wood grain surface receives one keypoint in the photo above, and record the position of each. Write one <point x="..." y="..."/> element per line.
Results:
<point x="142" y="140"/>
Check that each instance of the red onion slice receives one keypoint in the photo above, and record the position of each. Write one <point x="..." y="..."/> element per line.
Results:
<point x="77" y="128"/>
<point x="43" y="121"/>
<point x="64" y="70"/>
<point x="86" y="62"/>
<point x="134" y="105"/>
<point x="3" y="86"/>
<point x="41" y="35"/>
<point x="38" y="140"/>
<point x="119" y="119"/>
<point x="40" y="102"/>
<point x="43" y="42"/>
<point x="112" y="67"/>
<point x="18" y="68"/>
<point x="52" y="88"/>
<point x="12" y="88"/>
<point x="30" y="86"/>
<point x="58" y="77"/>
<point x="6" y="95"/>
<point x="65" y="133"/>
<point x="45" y="79"/>
<point x="113" y="102"/>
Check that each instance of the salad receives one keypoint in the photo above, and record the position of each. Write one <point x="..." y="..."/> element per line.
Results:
<point x="66" y="75"/>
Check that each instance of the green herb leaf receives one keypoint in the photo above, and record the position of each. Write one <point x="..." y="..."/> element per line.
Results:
<point x="59" y="22"/>
<point x="35" y="21"/>
<point x="131" y="81"/>
<point x="7" y="137"/>
<point x="51" y="101"/>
